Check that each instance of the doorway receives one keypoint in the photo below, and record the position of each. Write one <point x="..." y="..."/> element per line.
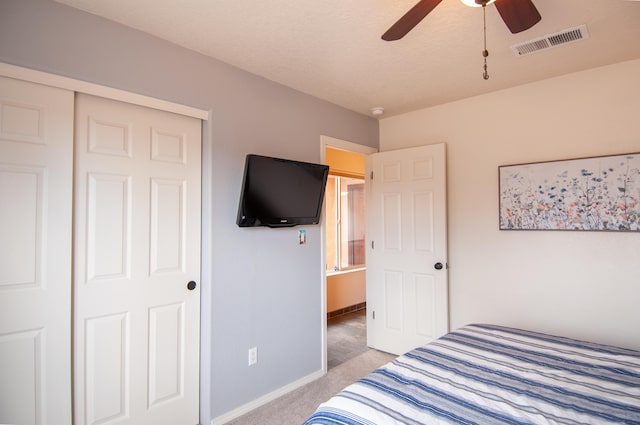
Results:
<point x="344" y="272"/>
<point x="407" y="302"/>
<point x="346" y="337"/>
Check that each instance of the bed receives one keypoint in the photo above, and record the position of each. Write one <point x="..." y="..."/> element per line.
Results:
<point x="487" y="374"/>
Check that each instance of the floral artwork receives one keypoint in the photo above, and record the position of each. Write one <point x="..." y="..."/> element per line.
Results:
<point x="600" y="193"/>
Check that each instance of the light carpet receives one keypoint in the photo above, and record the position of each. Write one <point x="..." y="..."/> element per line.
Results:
<point x="294" y="408"/>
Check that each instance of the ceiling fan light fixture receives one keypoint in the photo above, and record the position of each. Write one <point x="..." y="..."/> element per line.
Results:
<point x="474" y="3"/>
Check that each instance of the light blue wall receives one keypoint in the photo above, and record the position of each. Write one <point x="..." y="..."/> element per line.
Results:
<point x="259" y="287"/>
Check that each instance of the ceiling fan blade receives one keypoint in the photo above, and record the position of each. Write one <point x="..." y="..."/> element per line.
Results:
<point x="410" y="20"/>
<point x="519" y="15"/>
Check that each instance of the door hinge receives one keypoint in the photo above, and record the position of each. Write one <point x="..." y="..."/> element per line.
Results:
<point x="373" y="315"/>
<point x="372" y="245"/>
<point x="371" y="176"/>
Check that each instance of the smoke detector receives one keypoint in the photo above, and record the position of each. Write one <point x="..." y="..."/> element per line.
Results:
<point x="570" y="35"/>
<point x="376" y="111"/>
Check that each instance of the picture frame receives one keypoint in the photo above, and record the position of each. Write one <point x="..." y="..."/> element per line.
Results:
<point x="587" y="194"/>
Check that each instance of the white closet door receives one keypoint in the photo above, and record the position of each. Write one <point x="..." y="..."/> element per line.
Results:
<point x="137" y="246"/>
<point x="36" y="166"/>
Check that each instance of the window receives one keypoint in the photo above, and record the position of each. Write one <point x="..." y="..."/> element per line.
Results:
<point x="345" y="223"/>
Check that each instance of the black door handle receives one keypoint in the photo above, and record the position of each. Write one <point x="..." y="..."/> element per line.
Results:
<point x="191" y="285"/>
<point x="438" y="266"/>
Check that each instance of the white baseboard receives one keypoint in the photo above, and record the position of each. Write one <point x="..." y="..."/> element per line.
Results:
<point x="246" y="408"/>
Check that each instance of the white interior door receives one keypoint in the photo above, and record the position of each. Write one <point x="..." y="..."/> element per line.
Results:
<point x="137" y="245"/>
<point x="407" y="290"/>
<point x="36" y="158"/>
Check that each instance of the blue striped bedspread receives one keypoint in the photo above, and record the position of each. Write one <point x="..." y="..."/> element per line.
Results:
<point x="486" y="374"/>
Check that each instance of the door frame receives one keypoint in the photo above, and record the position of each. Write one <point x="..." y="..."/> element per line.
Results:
<point x="44" y="78"/>
<point x="331" y="142"/>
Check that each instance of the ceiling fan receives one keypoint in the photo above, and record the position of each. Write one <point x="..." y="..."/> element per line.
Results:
<point x="518" y="15"/>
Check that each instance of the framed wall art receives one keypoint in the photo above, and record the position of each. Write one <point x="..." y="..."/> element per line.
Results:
<point x="599" y="193"/>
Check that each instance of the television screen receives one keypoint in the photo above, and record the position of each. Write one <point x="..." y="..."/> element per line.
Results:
<point x="280" y="192"/>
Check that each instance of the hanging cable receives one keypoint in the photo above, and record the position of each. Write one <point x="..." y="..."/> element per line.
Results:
<point x="485" y="52"/>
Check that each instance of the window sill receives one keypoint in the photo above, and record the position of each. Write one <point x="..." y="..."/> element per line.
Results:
<point x="345" y="271"/>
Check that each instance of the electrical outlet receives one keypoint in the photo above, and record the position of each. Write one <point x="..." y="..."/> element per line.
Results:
<point x="253" y="356"/>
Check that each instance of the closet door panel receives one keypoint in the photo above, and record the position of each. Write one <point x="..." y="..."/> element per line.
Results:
<point x="36" y="160"/>
<point x="137" y="246"/>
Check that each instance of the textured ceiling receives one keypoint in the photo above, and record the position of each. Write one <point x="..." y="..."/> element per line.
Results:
<point x="332" y="49"/>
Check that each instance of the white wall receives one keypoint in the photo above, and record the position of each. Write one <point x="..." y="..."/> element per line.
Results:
<point x="580" y="284"/>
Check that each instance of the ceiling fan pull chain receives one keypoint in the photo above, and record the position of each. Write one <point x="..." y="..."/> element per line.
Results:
<point x="485" y="52"/>
<point x="485" y="74"/>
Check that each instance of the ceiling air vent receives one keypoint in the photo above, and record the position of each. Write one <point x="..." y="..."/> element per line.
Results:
<point x="548" y="41"/>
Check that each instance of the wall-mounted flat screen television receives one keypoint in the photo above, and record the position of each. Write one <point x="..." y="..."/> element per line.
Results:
<point x="280" y="192"/>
